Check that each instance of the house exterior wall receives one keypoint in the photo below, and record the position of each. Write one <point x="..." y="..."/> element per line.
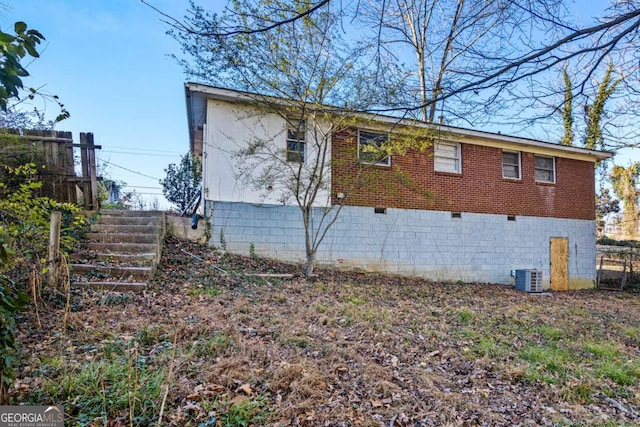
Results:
<point x="476" y="247"/>
<point x="505" y="224"/>
<point x="480" y="188"/>
<point x="229" y="128"/>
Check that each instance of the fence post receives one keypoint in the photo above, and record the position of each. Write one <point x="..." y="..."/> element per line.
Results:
<point x="85" y="170"/>
<point x="54" y="246"/>
<point x="92" y="171"/>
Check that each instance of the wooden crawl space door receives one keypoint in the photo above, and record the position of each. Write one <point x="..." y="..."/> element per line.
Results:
<point x="559" y="259"/>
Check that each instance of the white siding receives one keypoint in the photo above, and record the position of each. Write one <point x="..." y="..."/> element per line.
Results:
<point x="432" y="244"/>
<point x="230" y="127"/>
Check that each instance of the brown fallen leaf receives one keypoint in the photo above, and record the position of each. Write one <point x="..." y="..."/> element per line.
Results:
<point x="394" y="361"/>
<point x="245" y="388"/>
<point x="238" y="399"/>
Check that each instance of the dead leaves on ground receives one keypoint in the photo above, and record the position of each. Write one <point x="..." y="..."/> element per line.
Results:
<point x="351" y="348"/>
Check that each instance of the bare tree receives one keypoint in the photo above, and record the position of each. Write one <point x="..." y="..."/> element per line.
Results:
<point x="293" y="72"/>
<point x="532" y="37"/>
<point x="454" y="43"/>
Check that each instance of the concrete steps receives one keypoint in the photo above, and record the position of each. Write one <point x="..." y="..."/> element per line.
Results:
<point x="121" y="252"/>
<point x="116" y="237"/>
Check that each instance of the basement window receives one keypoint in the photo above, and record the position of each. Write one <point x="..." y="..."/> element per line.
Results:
<point x="456" y="215"/>
<point x="380" y="210"/>
<point x="511" y="217"/>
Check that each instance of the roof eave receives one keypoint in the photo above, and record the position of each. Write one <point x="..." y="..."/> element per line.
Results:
<point x="231" y="95"/>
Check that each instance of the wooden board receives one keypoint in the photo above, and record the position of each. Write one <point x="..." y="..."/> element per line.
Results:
<point x="559" y="259"/>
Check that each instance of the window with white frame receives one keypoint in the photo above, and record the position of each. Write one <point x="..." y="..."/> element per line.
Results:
<point x="296" y="143"/>
<point x="447" y="157"/>
<point x="371" y="155"/>
<point x="511" y="164"/>
<point x="545" y="169"/>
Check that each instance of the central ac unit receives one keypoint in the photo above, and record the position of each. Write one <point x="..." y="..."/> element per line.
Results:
<point x="529" y="280"/>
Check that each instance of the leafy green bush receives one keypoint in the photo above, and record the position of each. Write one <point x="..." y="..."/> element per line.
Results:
<point x="25" y="218"/>
<point x="11" y="300"/>
<point x="24" y="236"/>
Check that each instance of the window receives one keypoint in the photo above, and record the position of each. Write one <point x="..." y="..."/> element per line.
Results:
<point x="511" y="164"/>
<point x="365" y="139"/>
<point x="296" y="141"/>
<point x="447" y="157"/>
<point x="545" y="169"/>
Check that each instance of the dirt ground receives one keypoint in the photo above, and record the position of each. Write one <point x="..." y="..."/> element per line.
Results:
<point x="341" y="349"/>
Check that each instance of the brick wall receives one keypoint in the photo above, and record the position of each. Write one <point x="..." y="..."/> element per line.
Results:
<point x="411" y="183"/>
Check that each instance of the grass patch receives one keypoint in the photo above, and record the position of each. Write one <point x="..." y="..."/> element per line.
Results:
<point x="465" y="316"/>
<point x="623" y="374"/>
<point x="548" y="364"/>
<point x="488" y="347"/>
<point x="378" y="318"/>
<point x="603" y="350"/>
<point x="115" y="298"/>
<point x="356" y="301"/>
<point x="211" y="346"/>
<point x="124" y="386"/>
<point x="632" y="333"/>
<point x="320" y="308"/>
<point x="151" y="335"/>
<point x="203" y="291"/>
<point x="244" y="413"/>
<point x="550" y="333"/>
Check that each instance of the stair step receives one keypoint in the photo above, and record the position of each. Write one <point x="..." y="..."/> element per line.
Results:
<point x="112" y="286"/>
<point x="113" y="270"/>
<point x="123" y="237"/>
<point x="130" y="220"/>
<point x="147" y="259"/>
<point x="123" y="248"/>
<point x="128" y="213"/>
<point x="128" y="228"/>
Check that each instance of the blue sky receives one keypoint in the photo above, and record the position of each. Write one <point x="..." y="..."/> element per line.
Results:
<point x="108" y="61"/>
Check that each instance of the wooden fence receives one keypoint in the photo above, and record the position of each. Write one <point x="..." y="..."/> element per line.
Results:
<point x="59" y="178"/>
<point x="618" y="267"/>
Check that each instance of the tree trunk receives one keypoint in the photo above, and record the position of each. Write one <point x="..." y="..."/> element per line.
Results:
<point x="308" y="243"/>
<point x="437" y="87"/>
<point x="311" y="262"/>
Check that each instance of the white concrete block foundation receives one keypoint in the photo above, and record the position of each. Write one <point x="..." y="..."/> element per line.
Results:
<point x="430" y="244"/>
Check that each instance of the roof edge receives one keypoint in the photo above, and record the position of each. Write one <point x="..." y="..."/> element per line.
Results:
<point x="224" y="94"/>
